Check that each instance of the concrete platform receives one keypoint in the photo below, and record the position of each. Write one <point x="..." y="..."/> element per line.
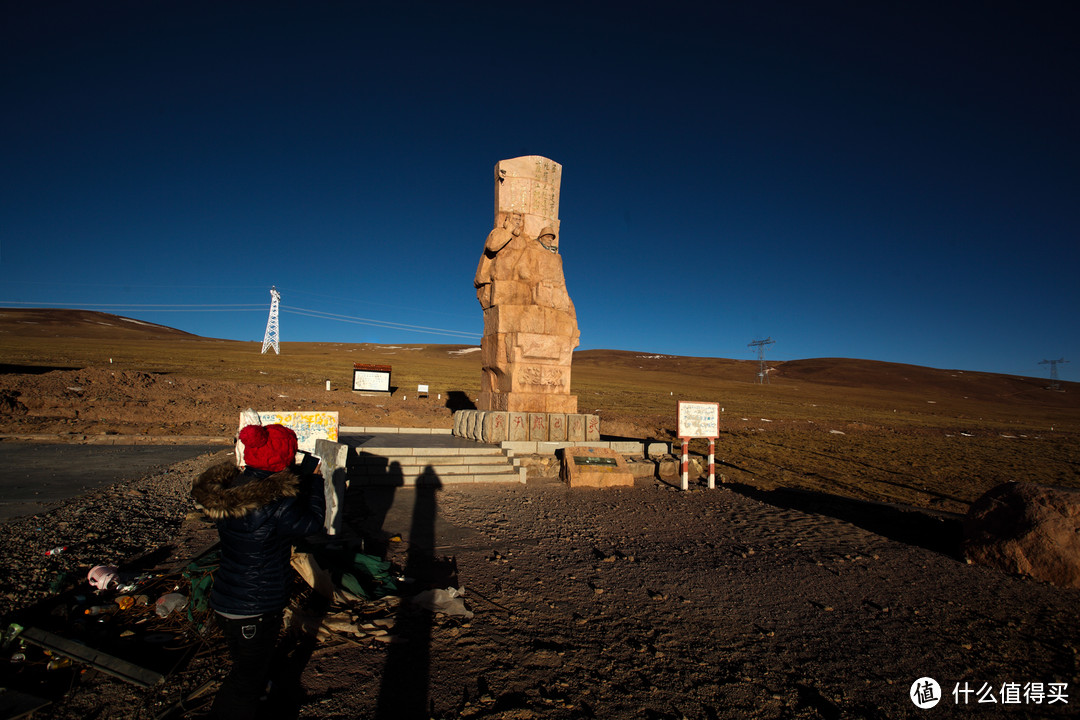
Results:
<point x="376" y="437"/>
<point x="410" y="459"/>
<point x="380" y="438"/>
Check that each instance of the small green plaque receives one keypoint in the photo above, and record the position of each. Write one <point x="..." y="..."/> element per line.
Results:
<point x="591" y="460"/>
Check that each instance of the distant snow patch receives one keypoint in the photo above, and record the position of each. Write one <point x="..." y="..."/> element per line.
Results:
<point x="463" y="351"/>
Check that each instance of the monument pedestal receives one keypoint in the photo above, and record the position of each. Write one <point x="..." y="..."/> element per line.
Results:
<point x="528" y="402"/>
<point x="497" y="426"/>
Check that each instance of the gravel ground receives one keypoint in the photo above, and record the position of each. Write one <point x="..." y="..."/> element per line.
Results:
<point x="638" y="602"/>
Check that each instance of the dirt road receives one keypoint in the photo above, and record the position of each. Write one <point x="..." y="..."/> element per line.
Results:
<point x="646" y="602"/>
<point x="36" y="476"/>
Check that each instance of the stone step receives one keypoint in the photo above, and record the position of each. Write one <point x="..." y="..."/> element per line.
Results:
<point x="439" y="467"/>
<point x="420" y="480"/>
<point x="478" y="451"/>
<point x="439" y="470"/>
<point x="421" y="460"/>
<point x="413" y="466"/>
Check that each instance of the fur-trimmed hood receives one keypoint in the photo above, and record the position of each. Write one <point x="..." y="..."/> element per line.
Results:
<point x="224" y="491"/>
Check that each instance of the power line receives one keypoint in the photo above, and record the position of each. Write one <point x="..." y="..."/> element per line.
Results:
<point x="380" y="323"/>
<point x="341" y="301"/>
<point x="247" y="307"/>
<point x="129" y="286"/>
<point x="162" y="307"/>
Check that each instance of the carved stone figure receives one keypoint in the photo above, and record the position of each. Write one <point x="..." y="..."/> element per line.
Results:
<point x="530" y="327"/>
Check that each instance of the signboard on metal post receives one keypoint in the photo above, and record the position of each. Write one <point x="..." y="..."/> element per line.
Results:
<point x="698" y="420"/>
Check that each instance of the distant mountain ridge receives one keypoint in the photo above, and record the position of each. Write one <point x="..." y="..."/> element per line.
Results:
<point x="839" y="372"/>
<point x="48" y="322"/>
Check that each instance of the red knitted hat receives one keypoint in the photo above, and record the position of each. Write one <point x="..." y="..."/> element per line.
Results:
<point x="268" y="447"/>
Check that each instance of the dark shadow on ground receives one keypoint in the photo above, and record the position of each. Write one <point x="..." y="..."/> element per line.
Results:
<point x="363" y="512"/>
<point x="459" y="400"/>
<point x="364" y="507"/>
<point x="12" y="369"/>
<point x="937" y="531"/>
<point x="291" y="657"/>
<point x="404" y="692"/>
<point x="293" y="652"/>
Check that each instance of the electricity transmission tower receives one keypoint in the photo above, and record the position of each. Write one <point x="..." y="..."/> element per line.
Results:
<point x="270" y="340"/>
<point x="763" y="375"/>
<point x="1054" y="384"/>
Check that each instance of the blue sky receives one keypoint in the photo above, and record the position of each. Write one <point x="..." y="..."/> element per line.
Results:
<point x="892" y="181"/>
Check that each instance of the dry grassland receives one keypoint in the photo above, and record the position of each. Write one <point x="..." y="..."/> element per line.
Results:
<point x="809" y="588"/>
<point x="850" y="428"/>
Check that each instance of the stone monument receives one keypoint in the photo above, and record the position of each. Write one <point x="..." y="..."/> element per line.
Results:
<point x="530" y="327"/>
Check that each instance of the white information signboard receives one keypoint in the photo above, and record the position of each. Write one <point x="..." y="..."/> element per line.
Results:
<point x="308" y="426"/>
<point x="371" y="378"/>
<point x="699" y="420"/>
<point x="375" y="381"/>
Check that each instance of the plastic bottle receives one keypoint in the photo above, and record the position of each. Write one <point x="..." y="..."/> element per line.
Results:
<point x="100" y="609"/>
<point x="167" y="603"/>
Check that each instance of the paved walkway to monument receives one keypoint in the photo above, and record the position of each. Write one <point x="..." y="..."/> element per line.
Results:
<point x="357" y="437"/>
<point x="392" y="438"/>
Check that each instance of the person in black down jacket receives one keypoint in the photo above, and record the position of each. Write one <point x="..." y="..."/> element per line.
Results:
<point x="260" y="511"/>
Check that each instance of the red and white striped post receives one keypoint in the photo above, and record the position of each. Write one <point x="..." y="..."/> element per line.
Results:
<point x="712" y="463"/>
<point x="685" y="464"/>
